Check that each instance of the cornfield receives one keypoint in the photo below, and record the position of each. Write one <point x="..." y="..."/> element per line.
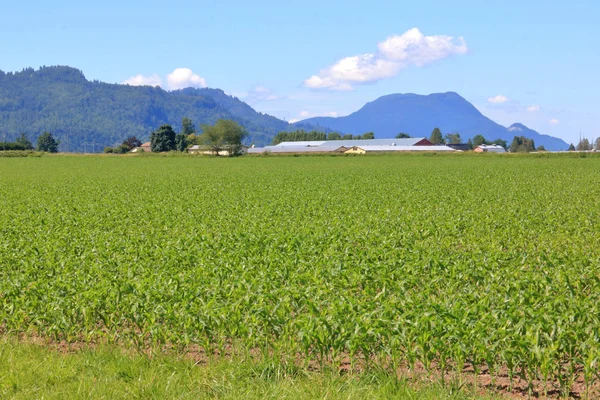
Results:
<point x="437" y="260"/>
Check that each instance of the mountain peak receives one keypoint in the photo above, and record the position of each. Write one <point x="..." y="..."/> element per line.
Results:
<point x="417" y="115"/>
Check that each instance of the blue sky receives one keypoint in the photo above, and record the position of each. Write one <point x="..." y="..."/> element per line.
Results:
<point x="526" y="61"/>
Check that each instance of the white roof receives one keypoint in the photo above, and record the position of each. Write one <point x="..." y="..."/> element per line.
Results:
<point x="300" y="144"/>
<point x="291" y="149"/>
<point x="406" y="148"/>
<point x="350" y="143"/>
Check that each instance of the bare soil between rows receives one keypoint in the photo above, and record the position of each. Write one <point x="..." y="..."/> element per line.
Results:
<point x="484" y="382"/>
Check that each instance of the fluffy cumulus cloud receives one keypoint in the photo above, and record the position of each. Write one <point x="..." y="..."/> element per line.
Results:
<point x="182" y="78"/>
<point x="500" y="99"/>
<point x="395" y="53"/>
<point x="554" y="121"/>
<point x="533" y="108"/>
<point x="141" y="80"/>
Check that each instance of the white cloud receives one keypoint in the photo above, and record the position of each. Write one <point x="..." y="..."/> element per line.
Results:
<point x="395" y="54"/>
<point x="258" y="94"/>
<point x="182" y="78"/>
<point x="141" y="80"/>
<point x="498" y="99"/>
<point x="330" y="114"/>
<point x="515" y="129"/>
<point x="305" y="114"/>
<point x="554" y="121"/>
<point x="534" y="108"/>
<point x="293" y="121"/>
<point x="415" y="48"/>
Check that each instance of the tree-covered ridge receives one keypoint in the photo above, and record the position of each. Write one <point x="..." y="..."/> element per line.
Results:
<point x="90" y="115"/>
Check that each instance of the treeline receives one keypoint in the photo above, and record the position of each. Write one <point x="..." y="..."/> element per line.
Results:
<point x="303" y="136"/>
<point x="519" y="144"/>
<point x="223" y="136"/>
<point x="45" y="142"/>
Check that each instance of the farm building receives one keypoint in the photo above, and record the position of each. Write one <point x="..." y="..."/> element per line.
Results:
<point x="145" y="147"/>
<point x="197" y="149"/>
<point x="351" y="146"/>
<point x="393" y="149"/>
<point x="489" y="148"/>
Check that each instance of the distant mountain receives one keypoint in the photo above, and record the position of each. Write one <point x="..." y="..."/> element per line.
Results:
<point x="92" y="115"/>
<point x="417" y="115"/>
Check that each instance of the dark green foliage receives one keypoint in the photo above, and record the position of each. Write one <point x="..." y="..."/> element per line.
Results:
<point x="163" y="139"/>
<point x="47" y="143"/>
<point x="187" y="126"/>
<point x="11" y="146"/>
<point x="300" y="136"/>
<point x="181" y="142"/>
<point x="541" y="148"/>
<point x="571" y="147"/>
<point x="436" y="137"/>
<point x="24" y="141"/>
<point x="470" y="143"/>
<point x="303" y="136"/>
<point x="403" y="136"/>
<point x="131" y="142"/>
<point x="77" y="111"/>
<point x="521" y="144"/>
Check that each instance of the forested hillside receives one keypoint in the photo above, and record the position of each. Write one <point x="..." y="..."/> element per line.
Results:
<point x="86" y="115"/>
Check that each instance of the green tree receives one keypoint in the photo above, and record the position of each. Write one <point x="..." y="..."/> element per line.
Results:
<point x="347" y="136"/>
<point x="368" y="135"/>
<point x="224" y="135"/>
<point x="334" y="136"/>
<point x="521" y="144"/>
<point x="571" y="147"/>
<point x="24" y="141"/>
<point x="46" y="142"/>
<point x="541" y="148"/>
<point x="187" y="126"/>
<point x="436" y="137"/>
<point x="453" y="138"/>
<point x="470" y="144"/>
<point x="403" y="136"/>
<point x="162" y="139"/>
<point x="598" y="144"/>
<point x="478" y="140"/>
<point x="181" y="142"/>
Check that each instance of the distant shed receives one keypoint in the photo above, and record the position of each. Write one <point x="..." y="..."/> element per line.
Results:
<point x="490" y="148"/>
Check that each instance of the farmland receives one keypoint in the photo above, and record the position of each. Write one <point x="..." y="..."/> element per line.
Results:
<point x="429" y="260"/>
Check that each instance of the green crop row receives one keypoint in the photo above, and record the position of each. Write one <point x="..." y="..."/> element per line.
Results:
<point x="442" y="261"/>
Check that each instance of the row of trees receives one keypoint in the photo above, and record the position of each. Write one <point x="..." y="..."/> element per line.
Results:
<point x="438" y="138"/>
<point x="585" y="145"/>
<point x="45" y="142"/>
<point x="224" y="135"/>
<point x="303" y="136"/>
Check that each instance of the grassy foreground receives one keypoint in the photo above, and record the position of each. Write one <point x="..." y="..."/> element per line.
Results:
<point x="29" y="371"/>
